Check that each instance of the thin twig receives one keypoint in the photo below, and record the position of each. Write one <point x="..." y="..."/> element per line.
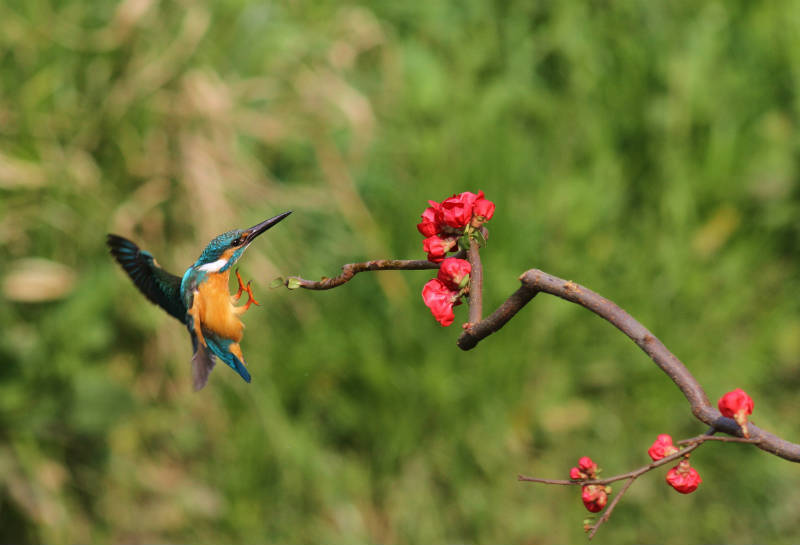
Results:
<point x="610" y="509"/>
<point x="631" y="476"/>
<point x="692" y="442"/>
<point x="352" y="269"/>
<point x="608" y="480"/>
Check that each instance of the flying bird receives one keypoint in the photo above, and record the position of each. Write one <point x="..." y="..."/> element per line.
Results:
<point x="200" y="299"/>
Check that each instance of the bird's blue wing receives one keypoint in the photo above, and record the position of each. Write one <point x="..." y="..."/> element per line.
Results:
<point x="159" y="286"/>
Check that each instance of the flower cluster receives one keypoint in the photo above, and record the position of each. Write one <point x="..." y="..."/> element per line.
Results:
<point x="594" y="496"/>
<point x="444" y="225"/>
<point x="683" y="477"/>
<point x="737" y="405"/>
<point x="585" y="471"/>
<point x="444" y="292"/>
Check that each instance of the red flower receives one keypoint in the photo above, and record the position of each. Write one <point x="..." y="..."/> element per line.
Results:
<point x="735" y="402"/>
<point x="586" y="469"/>
<point x="586" y="465"/>
<point x="594" y="497"/>
<point x="482" y="210"/>
<point x="684" y="478"/>
<point x="436" y="247"/>
<point x="440" y="299"/>
<point x="662" y="447"/>
<point x="457" y="210"/>
<point x="455" y="273"/>
<point x="431" y="220"/>
<point x="450" y="219"/>
<point x="737" y="405"/>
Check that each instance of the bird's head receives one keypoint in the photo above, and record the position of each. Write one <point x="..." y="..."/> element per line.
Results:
<point x="226" y="249"/>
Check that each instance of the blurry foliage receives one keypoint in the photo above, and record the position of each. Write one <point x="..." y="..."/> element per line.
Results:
<point x="646" y="150"/>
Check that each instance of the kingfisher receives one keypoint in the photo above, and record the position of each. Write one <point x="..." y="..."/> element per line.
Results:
<point x="201" y="299"/>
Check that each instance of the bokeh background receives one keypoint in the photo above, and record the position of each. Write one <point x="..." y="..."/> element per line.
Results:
<point x="648" y="150"/>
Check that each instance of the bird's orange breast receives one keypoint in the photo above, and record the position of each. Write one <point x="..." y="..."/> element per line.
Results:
<point x="216" y="308"/>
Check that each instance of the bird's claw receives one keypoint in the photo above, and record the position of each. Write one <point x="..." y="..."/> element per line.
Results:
<point x="251" y="300"/>
<point x="242" y="287"/>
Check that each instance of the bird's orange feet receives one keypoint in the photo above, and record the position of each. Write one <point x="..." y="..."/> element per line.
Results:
<point x="251" y="300"/>
<point x="242" y="287"/>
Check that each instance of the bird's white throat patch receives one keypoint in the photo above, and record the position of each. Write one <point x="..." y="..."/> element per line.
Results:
<point x="214" y="266"/>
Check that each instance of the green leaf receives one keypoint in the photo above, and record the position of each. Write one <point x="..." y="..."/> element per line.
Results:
<point x="477" y="234"/>
<point x="277" y="283"/>
<point x="293" y="283"/>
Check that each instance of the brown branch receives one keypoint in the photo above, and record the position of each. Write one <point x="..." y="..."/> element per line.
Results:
<point x="477" y="331"/>
<point x="352" y="269"/>
<point x="535" y="281"/>
<point x="717" y="438"/>
<point x="475" y="282"/>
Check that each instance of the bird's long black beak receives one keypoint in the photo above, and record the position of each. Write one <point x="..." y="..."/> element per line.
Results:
<point x="257" y="229"/>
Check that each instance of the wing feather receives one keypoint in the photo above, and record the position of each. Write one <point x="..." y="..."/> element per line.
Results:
<point x="159" y="286"/>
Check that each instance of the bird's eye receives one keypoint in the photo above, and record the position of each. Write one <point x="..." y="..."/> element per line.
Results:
<point x="238" y="241"/>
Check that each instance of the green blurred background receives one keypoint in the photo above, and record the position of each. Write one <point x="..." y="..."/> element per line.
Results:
<point x="648" y="150"/>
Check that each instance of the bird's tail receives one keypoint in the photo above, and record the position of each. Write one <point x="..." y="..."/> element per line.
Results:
<point x="222" y="348"/>
<point x="202" y="364"/>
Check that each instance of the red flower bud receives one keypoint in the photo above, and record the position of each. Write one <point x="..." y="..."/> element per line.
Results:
<point x="594" y="497"/>
<point x="431" y="220"/>
<point x="576" y="474"/>
<point x="587" y="465"/>
<point x="457" y="210"/>
<point x="437" y="247"/>
<point x="735" y="402"/>
<point x="662" y="447"/>
<point x="440" y="299"/>
<point x="737" y="405"/>
<point x="455" y="273"/>
<point x="684" y="478"/>
<point x="483" y="210"/>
